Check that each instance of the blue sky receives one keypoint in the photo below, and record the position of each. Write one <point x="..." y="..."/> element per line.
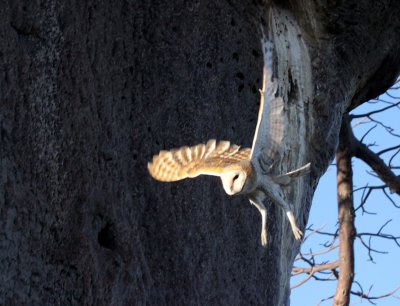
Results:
<point x="384" y="273"/>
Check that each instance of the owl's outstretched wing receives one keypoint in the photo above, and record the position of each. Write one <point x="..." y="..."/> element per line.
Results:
<point x="267" y="142"/>
<point x="188" y="162"/>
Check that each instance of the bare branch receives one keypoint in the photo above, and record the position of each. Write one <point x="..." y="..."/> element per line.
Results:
<point x="313" y="232"/>
<point x="375" y="111"/>
<point x="361" y="121"/>
<point x="367" y="132"/>
<point x="389" y="129"/>
<point x="346" y="215"/>
<point x="326" y="233"/>
<point x="311" y="271"/>
<point x="393" y="156"/>
<point x="324" y="300"/>
<point x="390" y="199"/>
<point x="313" y="254"/>
<point x="379" y="234"/>
<point x="364" y="197"/>
<point x="370" y="249"/>
<point x="371" y="298"/>
<point x="387" y="150"/>
<point x="362" y="152"/>
<point x="393" y="97"/>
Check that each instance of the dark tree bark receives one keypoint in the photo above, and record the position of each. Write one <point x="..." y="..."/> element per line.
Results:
<point x="90" y="90"/>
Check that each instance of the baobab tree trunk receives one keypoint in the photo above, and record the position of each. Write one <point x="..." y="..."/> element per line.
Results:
<point x="90" y="90"/>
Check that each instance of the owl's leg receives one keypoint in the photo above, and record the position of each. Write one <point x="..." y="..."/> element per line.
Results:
<point x="273" y="191"/>
<point x="257" y="202"/>
<point x="298" y="234"/>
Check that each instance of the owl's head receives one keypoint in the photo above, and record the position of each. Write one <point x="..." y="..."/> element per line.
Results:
<point x="238" y="178"/>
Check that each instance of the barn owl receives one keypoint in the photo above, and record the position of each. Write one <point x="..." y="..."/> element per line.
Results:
<point x="242" y="171"/>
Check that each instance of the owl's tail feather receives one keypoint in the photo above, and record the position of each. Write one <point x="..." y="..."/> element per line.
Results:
<point x="286" y="179"/>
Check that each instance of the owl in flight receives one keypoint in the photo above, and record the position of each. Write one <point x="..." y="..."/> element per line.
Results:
<point x="242" y="171"/>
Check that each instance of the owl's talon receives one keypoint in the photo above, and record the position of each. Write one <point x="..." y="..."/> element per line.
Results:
<point x="264" y="238"/>
<point x="298" y="234"/>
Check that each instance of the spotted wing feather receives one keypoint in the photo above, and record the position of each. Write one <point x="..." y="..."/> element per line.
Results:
<point x="186" y="162"/>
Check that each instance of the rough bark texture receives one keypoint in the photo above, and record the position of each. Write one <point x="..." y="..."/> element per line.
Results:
<point x="90" y="90"/>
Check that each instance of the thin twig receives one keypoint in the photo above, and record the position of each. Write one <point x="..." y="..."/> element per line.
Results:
<point x="375" y="111"/>
<point x="311" y="271"/>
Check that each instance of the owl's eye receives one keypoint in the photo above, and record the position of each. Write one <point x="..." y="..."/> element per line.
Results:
<point x="236" y="177"/>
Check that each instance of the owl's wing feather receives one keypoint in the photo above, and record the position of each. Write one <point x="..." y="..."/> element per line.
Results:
<point x="187" y="162"/>
<point x="267" y="142"/>
<point x="287" y="178"/>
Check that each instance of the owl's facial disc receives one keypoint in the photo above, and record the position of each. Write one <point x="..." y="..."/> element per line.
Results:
<point x="233" y="181"/>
